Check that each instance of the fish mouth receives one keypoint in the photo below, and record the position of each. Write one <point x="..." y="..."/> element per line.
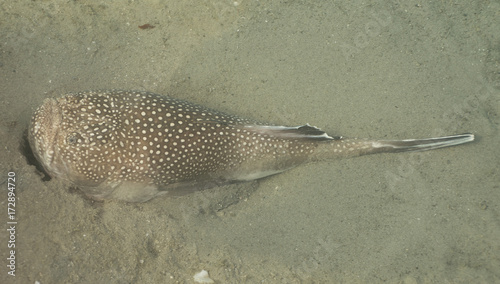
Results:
<point x="51" y="152"/>
<point x="44" y="131"/>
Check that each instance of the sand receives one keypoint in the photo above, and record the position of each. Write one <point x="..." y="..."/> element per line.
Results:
<point x="384" y="70"/>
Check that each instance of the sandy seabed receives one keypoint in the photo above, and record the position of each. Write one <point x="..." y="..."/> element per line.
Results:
<point x="391" y="69"/>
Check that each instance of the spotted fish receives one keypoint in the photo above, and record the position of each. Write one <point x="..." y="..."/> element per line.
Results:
<point x="134" y="146"/>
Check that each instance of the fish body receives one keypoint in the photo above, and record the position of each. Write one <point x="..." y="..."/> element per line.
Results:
<point x="134" y="146"/>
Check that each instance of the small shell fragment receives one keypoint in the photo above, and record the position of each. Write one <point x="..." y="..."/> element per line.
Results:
<point x="202" y="277"/>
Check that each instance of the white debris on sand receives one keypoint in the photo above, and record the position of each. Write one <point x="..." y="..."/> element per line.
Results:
<point x="202" y="277"/>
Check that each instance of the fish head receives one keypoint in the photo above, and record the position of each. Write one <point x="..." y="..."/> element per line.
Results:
<point x="63" y="137"/>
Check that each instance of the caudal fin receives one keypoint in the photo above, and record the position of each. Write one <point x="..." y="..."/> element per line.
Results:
<point x="351" y="147"/>
<point x="410" y="145"/>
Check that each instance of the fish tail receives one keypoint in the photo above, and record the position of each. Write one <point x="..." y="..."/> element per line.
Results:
<point x="344" y="147"/>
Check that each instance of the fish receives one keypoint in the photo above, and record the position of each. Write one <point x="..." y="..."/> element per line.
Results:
<point x="134" y="146"/>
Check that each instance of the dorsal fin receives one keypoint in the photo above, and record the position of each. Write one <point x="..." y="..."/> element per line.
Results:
<point x="297" y="132"/>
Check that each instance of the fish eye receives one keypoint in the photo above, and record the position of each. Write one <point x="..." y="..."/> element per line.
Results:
<point x="72" y="138"/>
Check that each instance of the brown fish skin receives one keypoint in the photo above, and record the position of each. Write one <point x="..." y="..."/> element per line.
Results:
<point x="133" y="146"/>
